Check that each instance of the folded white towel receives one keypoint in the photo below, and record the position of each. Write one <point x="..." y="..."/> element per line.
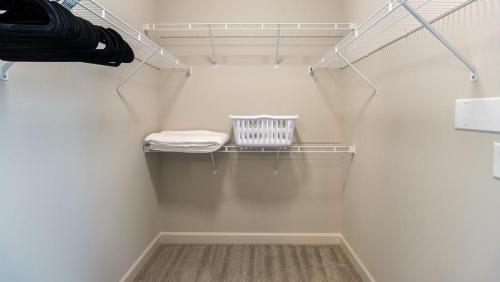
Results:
<point x="195" y="141"/>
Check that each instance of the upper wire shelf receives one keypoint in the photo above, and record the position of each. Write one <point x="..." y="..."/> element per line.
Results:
<point x="211" y="32"/>
<point x="248" y="30"/>
<point x="141" y="44"/>
<point x="390" y="23"/>
<point x="145" y="49"/>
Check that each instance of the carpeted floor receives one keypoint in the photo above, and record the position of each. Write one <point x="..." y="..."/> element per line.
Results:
<point x="238" y="263"/>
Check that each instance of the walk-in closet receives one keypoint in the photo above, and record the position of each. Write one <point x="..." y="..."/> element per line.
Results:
<point x="256" y="141"/>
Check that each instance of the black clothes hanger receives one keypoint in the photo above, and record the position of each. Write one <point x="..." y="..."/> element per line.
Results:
<point x="45" y="31"/>
<point x="21" y="12"/>
<point x="61" y="25"/>
<point x="116" y="50"/>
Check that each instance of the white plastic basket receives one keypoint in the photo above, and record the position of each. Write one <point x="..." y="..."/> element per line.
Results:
<point x="264" y="130"/>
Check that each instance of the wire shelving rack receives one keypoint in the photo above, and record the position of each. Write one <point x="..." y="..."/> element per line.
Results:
<point x="299" y="148"/>
<point x="210" y="32"/>
<point x="146" y="50"/>
<point x="395" y="20"/>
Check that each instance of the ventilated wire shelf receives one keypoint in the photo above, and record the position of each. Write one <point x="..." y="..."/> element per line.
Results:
<point x="301" y="148"/>
<point x="294" y="148"/>
<point x="143" y="46"/>
<point x="387" y="25"/>
<point x="248" y="30"/>
<point x="275" y="35"/>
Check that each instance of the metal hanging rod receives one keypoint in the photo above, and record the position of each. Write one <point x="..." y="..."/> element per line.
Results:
<point x="296" y="148"/>
<point x="393" y="21"/>
<point x="146" y="50"/>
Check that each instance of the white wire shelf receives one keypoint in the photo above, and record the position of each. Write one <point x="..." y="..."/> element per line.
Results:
<point x="391" y="22"/>
<point x="240" y="33"/>
<point x="141" y="44"/>
<point x="247" y="30"/>
<point x="395" y="20"/>
<point x="295" y="148"/>
<point x="145" y="49"/>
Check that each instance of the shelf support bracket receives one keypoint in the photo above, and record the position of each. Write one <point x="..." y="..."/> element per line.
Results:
<point x="214" y="55"/>
<point x="474" y="75"/>
<point x="4" y="70"/>
<point x="277" y="56"/>
<point x="357" y="71"/>
<point x="134" y="71"/>
<point x="214" y="165"/>
<point x="276" y="163"/>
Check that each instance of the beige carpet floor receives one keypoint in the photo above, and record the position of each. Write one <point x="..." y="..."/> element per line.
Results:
<point x="240" y="263"/>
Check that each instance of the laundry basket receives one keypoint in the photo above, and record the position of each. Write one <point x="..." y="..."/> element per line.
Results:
<point x="264" y="130"/>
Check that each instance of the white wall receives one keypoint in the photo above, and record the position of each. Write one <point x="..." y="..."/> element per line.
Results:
<point x="77" y="196"/>
<point x="420" y="203"/>
<point x="245" y="196"/>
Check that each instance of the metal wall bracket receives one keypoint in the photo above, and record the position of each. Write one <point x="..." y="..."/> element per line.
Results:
<point x="358" y="72"/>
<point x="4" y="70"/>
<point x="214" y="165"/>
<point x="474" y="75"/>
<point x="134" y="71"/>
<point x="277" y="56"/>
<point x="276" y="163"/>
<point x="214" y="55"/>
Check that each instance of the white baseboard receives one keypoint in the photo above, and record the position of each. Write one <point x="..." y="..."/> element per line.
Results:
<point x="246" y="238"/>
<point x="356" y="261"/>
<point x="250" y="238"/>
<point x="141" y="261"/>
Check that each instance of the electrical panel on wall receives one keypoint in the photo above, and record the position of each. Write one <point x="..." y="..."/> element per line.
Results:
<point x="478" y="114"/>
